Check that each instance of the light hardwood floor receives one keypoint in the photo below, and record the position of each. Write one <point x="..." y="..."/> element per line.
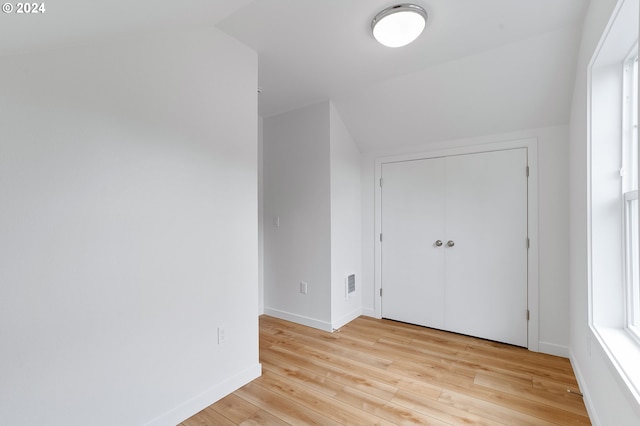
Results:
<point x="384" y="372"/>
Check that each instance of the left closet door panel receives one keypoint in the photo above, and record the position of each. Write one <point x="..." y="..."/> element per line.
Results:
<point x="413" y="220"/>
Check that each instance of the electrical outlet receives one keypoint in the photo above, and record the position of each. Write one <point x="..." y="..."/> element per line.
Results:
<point x="303" y="288"/>
<point x="221" y="335"/>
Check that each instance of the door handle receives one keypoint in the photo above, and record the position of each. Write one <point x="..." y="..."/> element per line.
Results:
<point x="450" y="243"/>
<point x="438" y="243"/>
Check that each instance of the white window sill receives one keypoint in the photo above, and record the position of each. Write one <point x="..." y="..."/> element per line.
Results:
<point x="623" y="351"/>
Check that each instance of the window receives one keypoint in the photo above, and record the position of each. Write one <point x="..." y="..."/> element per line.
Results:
<point x="630" y="191"/>
<point x="613" y="241"/>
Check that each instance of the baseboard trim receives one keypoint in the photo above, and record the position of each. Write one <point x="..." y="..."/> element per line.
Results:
<point x="299" y="319"/>
<point x="368" y="312"/>
<point x="553" y="349"/>
<point x="347" y="318"/>
<point x="206" y="398"/>
<point x="586" y="397"/>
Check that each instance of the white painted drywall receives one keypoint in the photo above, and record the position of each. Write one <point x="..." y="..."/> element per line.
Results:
<point x="128" y="229"/>
<point x="553" y="224"/>
<point x="297" y="217"/>
<point x="345" y="221"/>
<point x="312" y="217"/>
<point x="606" y="397"/>
<point x="523" y="85"/>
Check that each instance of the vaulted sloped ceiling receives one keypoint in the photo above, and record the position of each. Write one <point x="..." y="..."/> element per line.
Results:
<point x="481" y="66"/>
<point x="522" y="85"/>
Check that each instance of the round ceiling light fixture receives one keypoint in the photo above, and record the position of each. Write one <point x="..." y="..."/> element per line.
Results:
<point x="399" y="25"/>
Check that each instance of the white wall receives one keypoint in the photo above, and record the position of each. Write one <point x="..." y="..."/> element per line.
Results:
<point x="297" y="191"/>
<point x="127" y="229"/>
<point x="553" y="225"/>
<point x="311" y="217"/>
<point x="345" y="221"/>
<point x="608" y="401"/>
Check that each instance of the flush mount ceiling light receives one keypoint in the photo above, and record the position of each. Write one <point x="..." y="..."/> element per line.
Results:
<point x="399" y="25"/>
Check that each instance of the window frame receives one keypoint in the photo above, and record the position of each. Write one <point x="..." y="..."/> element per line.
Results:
<point x="632" y="269"/>
<point x="630" y="166"/>
<point x="630" y="120"/>
<point x="606" y="268"/>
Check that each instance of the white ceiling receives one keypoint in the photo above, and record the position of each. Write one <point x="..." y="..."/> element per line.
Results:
<point x="315" y="49"/>
<point x="481" y="66"/>
<point x="77" y="22"/>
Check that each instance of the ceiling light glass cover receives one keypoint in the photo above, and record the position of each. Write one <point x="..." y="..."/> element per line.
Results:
<point x="399" y="25"/>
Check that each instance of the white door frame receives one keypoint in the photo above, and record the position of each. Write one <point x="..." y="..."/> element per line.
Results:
<point x="532" y="221"/>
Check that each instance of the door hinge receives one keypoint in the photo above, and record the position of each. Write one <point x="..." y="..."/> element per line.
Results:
<point x="380" y="291"/>
<point x="381" y="237"/>
<point x="528" y="315"/>
<point x="528" y="243"/>
<point x="380" y="182"/>
<point x="527" y="171"/>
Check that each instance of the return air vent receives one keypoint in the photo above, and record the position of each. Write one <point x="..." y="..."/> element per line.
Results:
<point x="350" y="285"/>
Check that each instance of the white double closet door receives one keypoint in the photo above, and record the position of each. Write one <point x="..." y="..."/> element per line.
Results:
<point x="475" y="282"/>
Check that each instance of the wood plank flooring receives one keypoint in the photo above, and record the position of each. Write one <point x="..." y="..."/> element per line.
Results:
<point x="381" y="372"/>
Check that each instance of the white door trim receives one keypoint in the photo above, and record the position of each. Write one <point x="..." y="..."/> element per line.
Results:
<point x="532" y="210"/>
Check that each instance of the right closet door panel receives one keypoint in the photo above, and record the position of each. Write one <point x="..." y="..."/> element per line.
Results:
<point x="486" y="268"/>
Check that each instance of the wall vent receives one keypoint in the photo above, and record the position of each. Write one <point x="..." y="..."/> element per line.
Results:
<point x="351" y="283"/>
